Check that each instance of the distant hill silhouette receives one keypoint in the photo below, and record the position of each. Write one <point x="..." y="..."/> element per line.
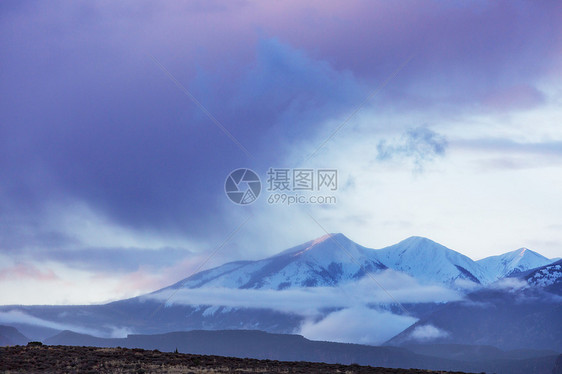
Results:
<point x="11" y="336"/>
<point x="284" y="347"/>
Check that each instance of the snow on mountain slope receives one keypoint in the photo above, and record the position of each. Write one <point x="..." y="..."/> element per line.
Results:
<point x="327" y="261"/>
<point x="514" y="262"/>
<point x="333" y="260"/>
<point x="429" y="261"/>
<point x="545" y="276"/>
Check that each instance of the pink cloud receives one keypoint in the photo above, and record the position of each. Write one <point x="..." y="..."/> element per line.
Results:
<point x="514" y="97"/>
<point x="23" y="271"/>
<point x="475" y="52"/>
<point x="146" y="279"/>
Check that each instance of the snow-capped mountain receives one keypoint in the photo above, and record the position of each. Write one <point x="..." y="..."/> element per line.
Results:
<point x="330" y="260"/>
<point x="508" y="314"/>
<point x="333" y="260"/>
<point x="429" y="261"/>
<point x="512" y="263"/>
<point x="545" y="276"/>
<point x="280" y="293"/>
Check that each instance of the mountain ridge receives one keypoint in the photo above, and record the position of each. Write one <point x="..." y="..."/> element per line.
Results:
<point x="513" y="262"/>
<point x="283" y="292"/>
<point x="333" y="259"/>
<point x="291" y="347"/>
<point x="445" y="265"/>
<point x="517" y="312"/>
<point x="319" y="262"/>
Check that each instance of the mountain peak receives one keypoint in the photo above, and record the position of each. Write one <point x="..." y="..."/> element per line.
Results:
<point x="524" y="251"/>
<point x="323" y="243"/>
<point x="314" y="243"/>
<point x="518" y="254"/>
<point x="329" y="260"/>
<point x="430" y="261"/>
<point x="417" y="239"/>
<point x="513" y="262"/>
<point x="334" y="246"/>
<point x="333" y="235"/>
<point x="420" y="243"/>
<point x="333" y="259"/>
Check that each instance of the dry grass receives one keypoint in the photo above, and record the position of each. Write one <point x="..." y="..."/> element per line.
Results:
<point x="63" y="359"/>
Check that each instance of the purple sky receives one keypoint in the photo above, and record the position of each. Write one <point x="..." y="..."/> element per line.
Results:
<point x="108" y="171"/>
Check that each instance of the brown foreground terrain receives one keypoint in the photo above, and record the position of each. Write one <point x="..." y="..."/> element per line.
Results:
<point x="66" y="359"/>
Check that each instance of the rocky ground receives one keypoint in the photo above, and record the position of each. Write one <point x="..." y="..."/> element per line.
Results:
<point x="65" y="359"/>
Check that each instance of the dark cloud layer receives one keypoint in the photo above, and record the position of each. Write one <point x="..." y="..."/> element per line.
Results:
<point x="87" y="116"/>
<point x="87" y="120"/>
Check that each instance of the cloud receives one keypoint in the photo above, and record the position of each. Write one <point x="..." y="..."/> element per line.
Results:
<point x="147" y="278"/>
<point x="519" y="97"/>
<point x="477" y="304"/>
<point x="403" y="289"/>
<point x="131" y="146"/>
<point x="510" y="284"/>
<point x="420" y="145"/>
<point x="19" y="317"/>
<point x="116" y="260"/>
<point x="89" y="120"/>
<point x="16" y="238"/>
<point x="508" y="146"/>
<point x="137" y="163"/>
<point x="120" y="260"/>
<point x="286" y="91"/>
<point x="46" y="281"/>
<point x="288" y="301"/>
<point x="427" y="332"/>
<point x="462" y="54"/>
<point x="16" y="316"/>
<point x="467" y="285"/>
<point x="358" y="325"/>
<point x="25" y="271"/>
